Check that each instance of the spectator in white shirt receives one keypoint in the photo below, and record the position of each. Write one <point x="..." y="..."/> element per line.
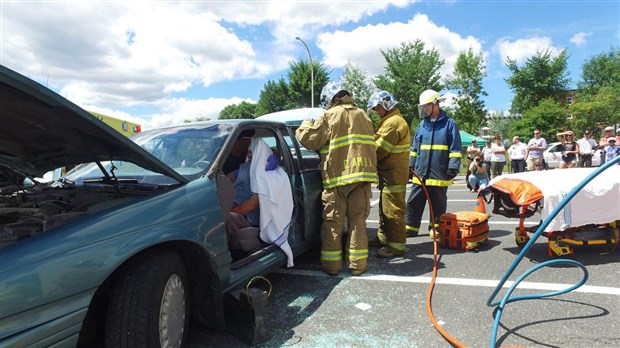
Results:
<point x="498" y="158"/>
<point x="587" y="146"/>
<point x="516" y="153"/>
<point x="486" y="154"/>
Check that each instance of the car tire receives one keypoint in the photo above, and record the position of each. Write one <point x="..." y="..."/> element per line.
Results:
<point x="149" y="303"/>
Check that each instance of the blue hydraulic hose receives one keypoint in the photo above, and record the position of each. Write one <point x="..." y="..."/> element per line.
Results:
<point x="507" y="299"/>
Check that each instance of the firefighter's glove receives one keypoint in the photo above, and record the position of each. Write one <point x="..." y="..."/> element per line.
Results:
<point x="272" y="162"/>
<point x="451" y="174"/>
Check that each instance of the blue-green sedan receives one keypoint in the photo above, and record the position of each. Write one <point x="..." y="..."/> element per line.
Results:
<point x="131" y="243"/>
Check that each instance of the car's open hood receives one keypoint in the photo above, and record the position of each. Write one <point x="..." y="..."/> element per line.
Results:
<point x="42" y="131"/>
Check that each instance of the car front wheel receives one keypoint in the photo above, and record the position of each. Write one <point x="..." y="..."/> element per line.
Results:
<point x="148" y="303"/>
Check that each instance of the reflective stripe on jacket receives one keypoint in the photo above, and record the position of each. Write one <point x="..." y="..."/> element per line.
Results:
<point x="393" y="144"/>
<point x="435" y="149"/>
<point x="345" y="137"/>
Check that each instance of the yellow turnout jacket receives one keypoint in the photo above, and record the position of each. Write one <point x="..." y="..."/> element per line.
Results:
<point x="345" y="138"/>
<point x="393" y="140"/>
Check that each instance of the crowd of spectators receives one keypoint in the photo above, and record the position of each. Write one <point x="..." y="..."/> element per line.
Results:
<point x="530" y="156"/>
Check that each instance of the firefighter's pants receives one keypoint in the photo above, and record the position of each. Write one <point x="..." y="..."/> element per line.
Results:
<point x="392" y="208"/>
<point x="417" y="202"/>
<point x="350" y="202"/>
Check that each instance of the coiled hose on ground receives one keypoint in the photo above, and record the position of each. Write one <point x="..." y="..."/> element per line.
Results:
<point x="506" y="298"/>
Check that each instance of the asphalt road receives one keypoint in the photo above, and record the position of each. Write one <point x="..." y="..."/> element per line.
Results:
<point x="386" y="307"/>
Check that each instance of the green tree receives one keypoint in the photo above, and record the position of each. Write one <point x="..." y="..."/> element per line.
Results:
<point x="274" y="97"/>
<point x="294" y="92"/>
<point x="469" y="71"/>
<point x="410" y="69"/>
<point x="299" y="83"/>
<point x="596" y="111"/>
<point x="602" y="70"/>
<point x="541" y="77"/>
<point x="548" y="116"/>
<point x="238" y="111"/>
<point x="356" y="81"/>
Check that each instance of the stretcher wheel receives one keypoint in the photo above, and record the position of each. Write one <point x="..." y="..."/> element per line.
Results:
<point x="556" y="250"/>
<point x="521" y="238"/>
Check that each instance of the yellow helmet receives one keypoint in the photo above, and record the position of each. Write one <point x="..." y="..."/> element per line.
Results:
<point x="430" y="96"/>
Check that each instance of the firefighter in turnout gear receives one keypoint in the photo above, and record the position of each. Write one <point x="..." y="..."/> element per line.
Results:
<point x="393" y="143"/>
<point x="436" y="158"/>
<point x="345" y="138"/>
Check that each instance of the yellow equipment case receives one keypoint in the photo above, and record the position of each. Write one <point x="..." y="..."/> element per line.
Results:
<point x="465" y="230"/>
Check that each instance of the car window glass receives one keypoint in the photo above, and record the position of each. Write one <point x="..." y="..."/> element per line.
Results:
<point x="310" y="159"/>
<point x="187" y="151"/>
<point x="272" y="142"/>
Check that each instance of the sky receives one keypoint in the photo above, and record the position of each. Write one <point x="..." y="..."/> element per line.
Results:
<point x="159" y="63"/>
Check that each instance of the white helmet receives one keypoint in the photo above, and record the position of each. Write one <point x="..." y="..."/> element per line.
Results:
<point x="329" y="91"/>
<point x="430" y="96"/>
<point x="383" y="98"/>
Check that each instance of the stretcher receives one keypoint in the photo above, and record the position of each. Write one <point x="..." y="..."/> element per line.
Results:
<point x="591" y="218"/>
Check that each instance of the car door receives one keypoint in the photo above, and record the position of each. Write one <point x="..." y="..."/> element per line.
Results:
<point x="596" y="158"/>
<point x="308" y="186"/>
<point x="554" y="156"/>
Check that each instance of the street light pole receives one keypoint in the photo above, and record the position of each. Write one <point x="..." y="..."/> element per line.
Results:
<point x="311" y="72"/>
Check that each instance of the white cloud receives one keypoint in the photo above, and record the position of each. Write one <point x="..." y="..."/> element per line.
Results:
<point x="122" y="54"/>
<point x="362" y="46"/>
<point x="579" y="39"/>
<point x="522" y="49"/>
<point x="288" y="19"/>
<point x="141" y="53"/>
<point x="178" y="110"/>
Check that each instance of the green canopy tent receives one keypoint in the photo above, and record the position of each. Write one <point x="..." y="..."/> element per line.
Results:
<point x="466" y="139"/>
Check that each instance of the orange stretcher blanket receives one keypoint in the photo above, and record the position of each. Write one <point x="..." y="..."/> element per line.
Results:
<point x="521" y="192"/>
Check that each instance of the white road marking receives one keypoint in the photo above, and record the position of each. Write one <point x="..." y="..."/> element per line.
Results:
<point x="590" y="289"/>
<point x="505" y="222"/>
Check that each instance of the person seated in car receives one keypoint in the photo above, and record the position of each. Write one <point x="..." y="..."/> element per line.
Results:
<point x="239" y="152"/>
<point x="245" y="204"/>
<point x="273" y="187"/>
<point x="245" y="211"/>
